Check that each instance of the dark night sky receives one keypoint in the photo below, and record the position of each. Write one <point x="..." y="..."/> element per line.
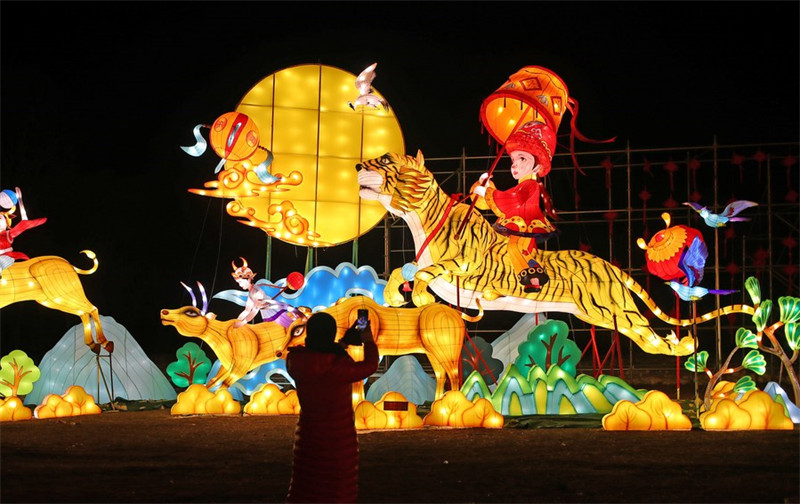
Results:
<point x="98" y="96"/>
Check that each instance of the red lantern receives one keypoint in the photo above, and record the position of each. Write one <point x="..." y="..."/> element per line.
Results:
<point x="295" y="280"/>
<point x="234" y="136"/>
<point x="534" y="91"/>
<point x="668" y="253"/>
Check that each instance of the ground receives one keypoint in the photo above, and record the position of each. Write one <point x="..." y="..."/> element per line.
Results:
<point x="152" y="456"/>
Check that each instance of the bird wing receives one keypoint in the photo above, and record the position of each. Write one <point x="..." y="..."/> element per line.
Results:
<point x="365" y="78"/>
<point x="735" y="207"/>
<point x="693" y="261"/>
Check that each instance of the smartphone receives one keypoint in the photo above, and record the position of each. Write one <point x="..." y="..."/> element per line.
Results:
<point x="363" y="318"/>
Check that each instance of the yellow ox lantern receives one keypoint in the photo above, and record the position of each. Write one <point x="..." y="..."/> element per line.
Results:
<point x="303" y="117"/>
<point x="53" y="282"/>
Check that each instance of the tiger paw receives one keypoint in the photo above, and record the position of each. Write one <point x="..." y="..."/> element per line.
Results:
<point x="422" y="297"/>
<point x="393" y="297"/>
<point x="491" y="294"/>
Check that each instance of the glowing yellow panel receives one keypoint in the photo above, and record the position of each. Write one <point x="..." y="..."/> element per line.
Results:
<point x="303" y="117"/>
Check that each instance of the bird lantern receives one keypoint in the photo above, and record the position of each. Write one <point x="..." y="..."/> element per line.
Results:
<point x="235" y="138"/>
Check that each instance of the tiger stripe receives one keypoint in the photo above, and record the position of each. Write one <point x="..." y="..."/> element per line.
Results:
<point x="585" y="285"/>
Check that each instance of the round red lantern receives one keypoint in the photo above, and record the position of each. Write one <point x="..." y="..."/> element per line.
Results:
<point x="676" y="253"/>
<point x="295" y="280"/>
<point x="234" y="136"/>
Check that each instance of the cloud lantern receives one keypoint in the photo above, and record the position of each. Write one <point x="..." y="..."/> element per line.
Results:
<point x="303" y="118"/>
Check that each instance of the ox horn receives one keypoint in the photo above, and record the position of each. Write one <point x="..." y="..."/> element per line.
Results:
<point x="194" y="298"/>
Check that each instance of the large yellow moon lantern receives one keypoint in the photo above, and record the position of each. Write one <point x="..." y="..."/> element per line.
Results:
<point x="304" y="119"/>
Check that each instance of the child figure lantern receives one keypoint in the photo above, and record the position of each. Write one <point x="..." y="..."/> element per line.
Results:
<point x="520" y="216"/>
<point x="524" y="115"/>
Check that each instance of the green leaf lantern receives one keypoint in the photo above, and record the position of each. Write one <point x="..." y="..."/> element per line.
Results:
<point x="755" y="362"/>
<point x="17" y="374"/>
<point x="761" y="316"/>
<point x="745" y="338"/>
<point x="790" y="309"/>
<point x="700" y="365"/>
<point x="754" y="289"/>
<point x="745" y="384"/>
<point x="547" y="344"/>
<point x="191" y="367"/>
<point x="792" y="330"/>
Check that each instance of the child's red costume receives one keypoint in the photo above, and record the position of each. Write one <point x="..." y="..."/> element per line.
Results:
<point x="7" y="238"/>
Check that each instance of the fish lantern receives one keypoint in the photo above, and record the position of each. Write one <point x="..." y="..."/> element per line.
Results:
<point x="676" y="253"/>
<point x="533" y="93"/>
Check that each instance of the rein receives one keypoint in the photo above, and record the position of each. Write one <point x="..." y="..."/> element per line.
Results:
<point x="453" y="198"/>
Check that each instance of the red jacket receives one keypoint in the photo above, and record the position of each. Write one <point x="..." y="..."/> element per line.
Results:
<point x="325" y="463"/>
<point x="7" y="237"/>
<point x="518" y="208"/>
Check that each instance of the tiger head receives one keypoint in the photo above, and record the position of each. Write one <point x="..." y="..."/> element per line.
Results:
<point x="399" y="182"/>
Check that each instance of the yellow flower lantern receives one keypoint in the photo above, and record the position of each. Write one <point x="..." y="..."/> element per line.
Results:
<point x="301" y="114"/>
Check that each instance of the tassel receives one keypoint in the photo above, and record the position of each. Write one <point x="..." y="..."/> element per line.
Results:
<point x="572" y="106"/>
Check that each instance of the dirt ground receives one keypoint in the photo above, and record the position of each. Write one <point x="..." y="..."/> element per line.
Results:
<point x="151" y="456"/>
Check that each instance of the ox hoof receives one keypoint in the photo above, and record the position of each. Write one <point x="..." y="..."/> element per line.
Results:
<point x="95" y="347"/>
<point x="109" y="346"/>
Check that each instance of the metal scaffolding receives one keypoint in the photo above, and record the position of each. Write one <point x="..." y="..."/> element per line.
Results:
<point x="621" y="197"/>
